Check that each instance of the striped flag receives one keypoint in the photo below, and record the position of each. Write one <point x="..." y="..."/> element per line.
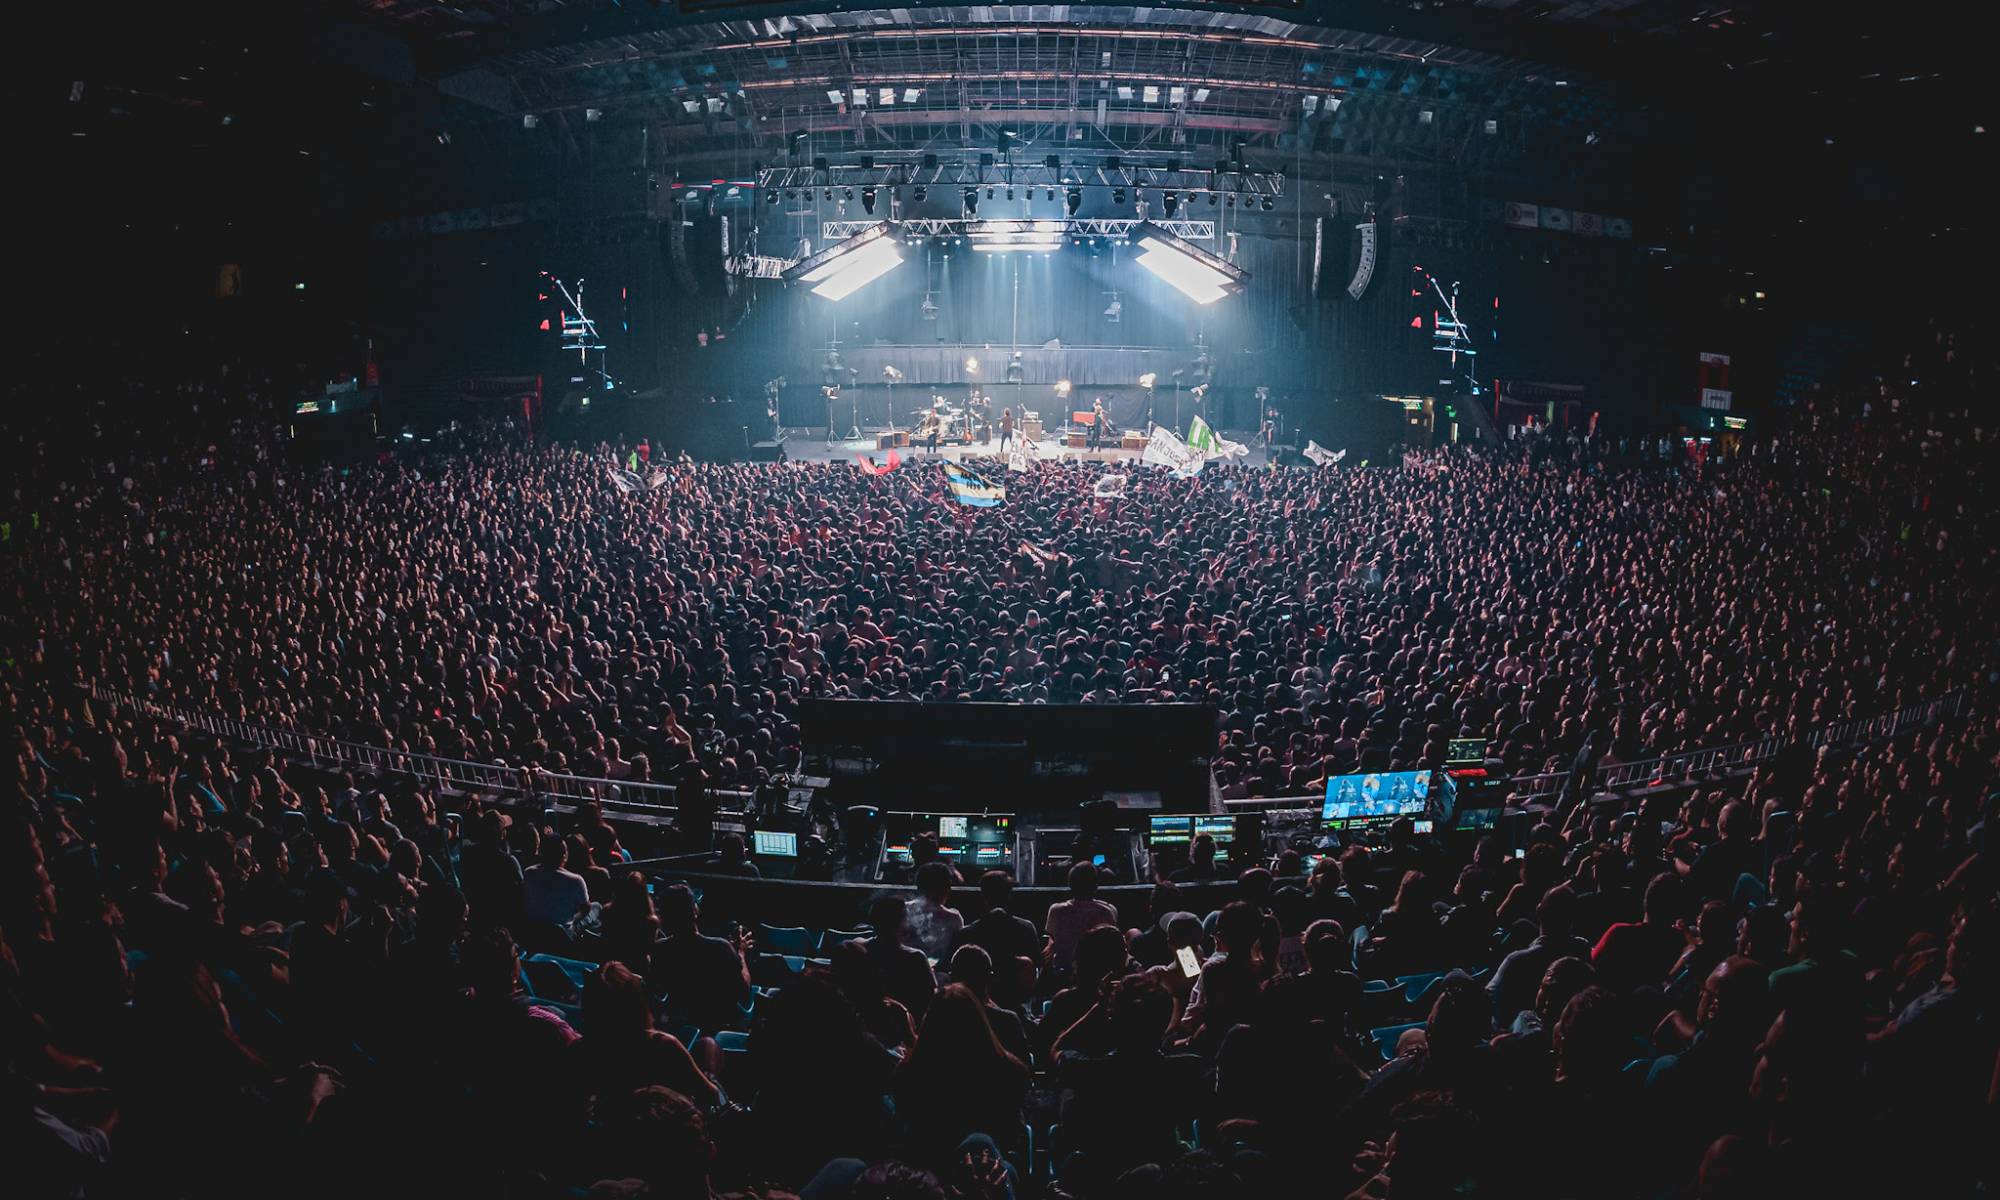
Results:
<point x="972" y="489"/>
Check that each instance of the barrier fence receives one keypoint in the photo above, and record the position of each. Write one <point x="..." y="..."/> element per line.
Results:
<point x="649" y="797"/>
<point x="1694" y="764"/>
<point x="446" y="773"/>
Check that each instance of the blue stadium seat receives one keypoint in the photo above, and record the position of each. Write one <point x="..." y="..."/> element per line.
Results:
<point x="787" y="939"/>
<point x="1385" y="1037"/>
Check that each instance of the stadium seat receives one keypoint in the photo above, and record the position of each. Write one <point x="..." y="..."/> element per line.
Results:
<point x="1385" y="1038"/>
<point x="787" y="939"/>
<point x="833" y="937"/>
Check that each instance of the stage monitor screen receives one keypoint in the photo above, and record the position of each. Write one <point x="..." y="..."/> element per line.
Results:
<point x="1477" y="818"/>
<point x="953" y="827"/>
<point x="1170" y="829"/>
<point x="777" y="845"/>
<point x="1465" y="752"/>
<point x="1379" y="797"/>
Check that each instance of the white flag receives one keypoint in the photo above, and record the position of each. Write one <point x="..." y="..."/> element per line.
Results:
<point x="1166" y="450"/>
<point x="1110" y="485"/>
<point x="1321" y="456"/>
<point x="1018" y="456"/>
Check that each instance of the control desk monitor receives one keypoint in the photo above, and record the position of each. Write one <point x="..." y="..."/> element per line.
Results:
<point x="774" y="844"/>
<point x="969" y="841"/>
<point x="1222" y="829"/>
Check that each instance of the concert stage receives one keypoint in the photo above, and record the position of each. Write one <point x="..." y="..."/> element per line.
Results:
<point x="812" y="446"/>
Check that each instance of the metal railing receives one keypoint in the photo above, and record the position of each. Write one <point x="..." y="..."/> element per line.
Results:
<point x="1691" y="764"/>
<point x="659" y="797"/>
<point x="449" y="773"/>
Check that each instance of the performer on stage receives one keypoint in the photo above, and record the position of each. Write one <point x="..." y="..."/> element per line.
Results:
<point x="771" y="391"/>
<point x="980" y="417"/>
<point x="1006" y="427"/>
<point x="1096" y="435"/>
<point x="929" y="431"/>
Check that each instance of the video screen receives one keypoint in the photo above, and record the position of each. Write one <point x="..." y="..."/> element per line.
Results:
<point x="1222" y="829"/>
<point x="1381" y="796"/>
<point x="1464" y="751"/>
<point x="1169" y="830"/>
<point x="953" y="827"/>
<point x="777" y="845"/>
<point x="1478" y="818"/>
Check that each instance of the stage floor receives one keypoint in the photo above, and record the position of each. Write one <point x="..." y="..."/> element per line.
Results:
<point x="803" y="445"/>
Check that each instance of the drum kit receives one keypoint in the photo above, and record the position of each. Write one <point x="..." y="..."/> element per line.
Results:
<point x="947" y="422"/>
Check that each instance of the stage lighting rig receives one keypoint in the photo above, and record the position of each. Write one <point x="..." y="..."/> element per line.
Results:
<point x="1192" y="271"/>
<point x="1073" y="200"/>
<point x="971" y="202"/>
<point x="868" y="200"/>
<point x="847" y="266"/>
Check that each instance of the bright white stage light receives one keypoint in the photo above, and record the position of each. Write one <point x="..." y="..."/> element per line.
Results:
<point x="849" y="273"/>
<point x="1192" y="278"/>
<point x="1024" y="242"/>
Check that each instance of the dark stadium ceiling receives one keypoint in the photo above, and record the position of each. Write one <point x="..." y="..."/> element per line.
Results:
<point x="1515" y="87"/>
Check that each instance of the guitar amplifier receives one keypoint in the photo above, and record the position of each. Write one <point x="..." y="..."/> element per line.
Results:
<point x="892" y="439"/>
<point x="1077" y="440"/>
<point x="1133" y="441"/>
<point x="1031" y="426"/>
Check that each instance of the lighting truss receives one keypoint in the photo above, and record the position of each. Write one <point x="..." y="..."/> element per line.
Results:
<point x="1129" y="170"/>
<point x="1194" y="272"/>
<point x="1113" y="227"/>
<point x="756" y="266"/>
